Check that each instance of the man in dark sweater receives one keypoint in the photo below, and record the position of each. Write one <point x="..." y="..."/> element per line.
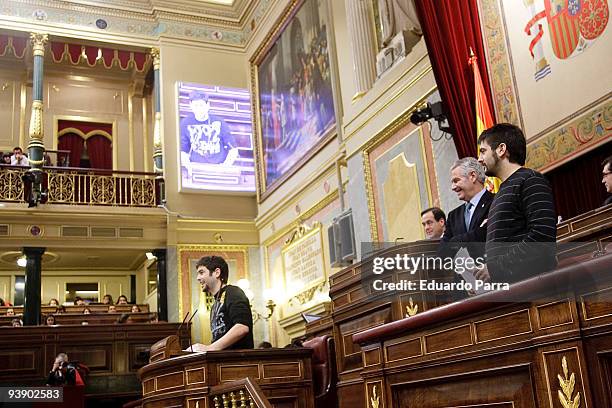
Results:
<point x="231" y="321"/>
<point x="522" y="224"/>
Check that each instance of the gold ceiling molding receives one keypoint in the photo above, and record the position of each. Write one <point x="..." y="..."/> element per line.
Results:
<point x="140" y="22"/>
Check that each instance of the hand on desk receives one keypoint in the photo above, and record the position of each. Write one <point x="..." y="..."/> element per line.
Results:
<point x="198" y="347"/>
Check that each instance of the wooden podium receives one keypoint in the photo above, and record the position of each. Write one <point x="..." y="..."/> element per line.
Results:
<point x="265" y="378"/>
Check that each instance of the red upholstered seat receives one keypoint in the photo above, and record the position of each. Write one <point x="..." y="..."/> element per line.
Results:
<point x="323" y="371"/>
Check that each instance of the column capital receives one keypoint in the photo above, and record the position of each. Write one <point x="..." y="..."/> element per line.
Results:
<point x="39" y="40"/>
<point x="155" y="55"/>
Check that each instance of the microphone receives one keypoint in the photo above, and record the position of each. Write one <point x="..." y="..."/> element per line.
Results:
<point x="181" y="325"/>
<point x="188" y="323"/>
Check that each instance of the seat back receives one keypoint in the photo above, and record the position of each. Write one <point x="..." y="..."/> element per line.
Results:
<point x="323" y="370"/>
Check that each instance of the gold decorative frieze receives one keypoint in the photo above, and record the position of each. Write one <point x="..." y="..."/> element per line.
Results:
<point x="565" y="394"/>
<point x="301" y="231"/>
<point x="375" y="398"/>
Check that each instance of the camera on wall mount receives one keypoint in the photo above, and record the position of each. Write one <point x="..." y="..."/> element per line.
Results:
<point x="37" y="194"/>
<point x="432" y="111"/>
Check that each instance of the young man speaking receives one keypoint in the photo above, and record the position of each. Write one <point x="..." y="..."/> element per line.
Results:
<point x="231" y="321"/>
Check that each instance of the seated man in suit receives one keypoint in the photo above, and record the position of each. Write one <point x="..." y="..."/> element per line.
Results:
<point x="607" y="178"/>
<point x="466" y="225"/>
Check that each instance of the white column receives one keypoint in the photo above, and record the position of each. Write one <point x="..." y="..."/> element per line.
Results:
<point x="360" y="20"/>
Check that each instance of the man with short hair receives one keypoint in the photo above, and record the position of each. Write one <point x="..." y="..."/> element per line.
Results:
<point x="231" y="320"/>
<point x="522" y="223"/>
<point x="466" y="225"/>
<point x="607" y="178"/>
<point x="18" y="158"/>
<point x="205" y="138"/>
<point x="434" y="222"/>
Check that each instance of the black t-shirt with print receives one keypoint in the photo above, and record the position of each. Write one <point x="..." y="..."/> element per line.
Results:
<point x="231" y="307"/>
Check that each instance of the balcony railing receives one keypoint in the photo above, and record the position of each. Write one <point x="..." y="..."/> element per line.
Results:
<point x="67" y="185"/>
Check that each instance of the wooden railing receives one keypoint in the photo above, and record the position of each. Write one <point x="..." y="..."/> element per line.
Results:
<point x="68" y="185"/>
<point x="238" y="394"/>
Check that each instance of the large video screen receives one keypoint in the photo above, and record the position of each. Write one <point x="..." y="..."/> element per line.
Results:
<point x="216" y="138"/>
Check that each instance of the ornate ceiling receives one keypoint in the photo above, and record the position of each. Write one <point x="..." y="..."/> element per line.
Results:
<point x="139" y="22"/>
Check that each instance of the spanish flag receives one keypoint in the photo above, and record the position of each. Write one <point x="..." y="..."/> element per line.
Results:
<point x="484" y="118"/>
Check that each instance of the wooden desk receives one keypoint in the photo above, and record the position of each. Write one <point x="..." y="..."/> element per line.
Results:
<point x="482" y="352"/>
<point x="113" y="353"/>
<point x="284" y="376"/>
<point x="354" y="310"/>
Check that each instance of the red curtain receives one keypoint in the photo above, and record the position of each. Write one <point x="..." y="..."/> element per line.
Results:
<point x="450" y="28"/>
<point x="577" y="185"/>
<point x="74" y="143"/>
<point x="100" y="152"/>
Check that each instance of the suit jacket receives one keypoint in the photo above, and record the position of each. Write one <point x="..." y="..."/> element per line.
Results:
<point x="455" y="235"/>
<point x="608" y="201"/>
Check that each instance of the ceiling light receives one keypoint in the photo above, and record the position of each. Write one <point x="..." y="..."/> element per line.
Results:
<point x="22" y="261"/>
<point x="150" y="256"/>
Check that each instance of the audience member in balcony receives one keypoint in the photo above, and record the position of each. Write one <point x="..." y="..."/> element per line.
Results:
<point x="112" y="309"/>
<point x="122" y="300"/>
<point x="265" y="345"/>
<point x="86" y="311"/>
<point x="10" y="312"/>
<point x="53" y="302"/>
<point x="5" y="302"/>
<point x="16" y="323"/>
<point x="47" y="160"/>
<point x="18" y="158"/>
<point x="135" y="309"/>
<point x="607" y="178"/>
<point x="6" y="159"/>
<point x="61" y="309"/>
<point x="50" y="320"/>
<point x="107" y="300"/>
<point x="522" y="223"/>
<point x="78" y="301"/>
<point x="434" y="222"/>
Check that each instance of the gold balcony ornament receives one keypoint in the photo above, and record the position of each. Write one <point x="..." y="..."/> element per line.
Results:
<point x="39" y="40"/>
<point x="301" y="230"/>
<point x="567" y="388"/>
<point x="308" y="295"/>
<point x="412" y="309"/>
<point x="374" y="399"/>
<point x="36" y="121"/>
<point x="156" y="59"/>
<point x="157" y="141"/>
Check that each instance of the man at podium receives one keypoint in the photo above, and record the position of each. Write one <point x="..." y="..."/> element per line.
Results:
<point x="231" y="321"/>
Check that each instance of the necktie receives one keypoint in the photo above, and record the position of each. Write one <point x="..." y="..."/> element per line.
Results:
<point x="468" y="215"/>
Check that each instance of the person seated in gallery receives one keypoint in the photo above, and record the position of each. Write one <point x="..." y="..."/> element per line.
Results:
<point x="231" y="320"/>
<point x="107" y="300"/>
<point x="434" y="222"/>
<point x="6" y="159"/>
<point x="50" y="320"/>
<point x="78" y="301"/>
<point x="18" y="158"/>
<point x="112" y="309"/>
<point x="135" y="309"/>
<point x="122" y="300"/>
<point x="53" y="302"/>
<point x="124" y="318"/>
<point x="10" y="312"/>
<point x="607" y="178"/>
<point x="86" y="311"/>
<point x="522" y="222"/>
<point x="5" y="302"/>
<point x="16" y="323"/>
